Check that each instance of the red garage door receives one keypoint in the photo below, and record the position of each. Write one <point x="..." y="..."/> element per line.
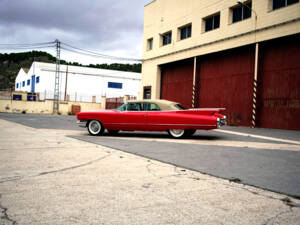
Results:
<point x="279" y="79"/>
<point x="177" y="82"/>
<point x="226" y="80"/>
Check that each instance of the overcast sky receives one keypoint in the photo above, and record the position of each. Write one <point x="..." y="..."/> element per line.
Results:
<point x="113" y="27"/>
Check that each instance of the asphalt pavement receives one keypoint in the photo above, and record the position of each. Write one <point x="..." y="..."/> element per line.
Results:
<point x="264" y="158"/>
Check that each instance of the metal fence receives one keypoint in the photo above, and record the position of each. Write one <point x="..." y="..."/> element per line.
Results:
<point x="114" y="102"/>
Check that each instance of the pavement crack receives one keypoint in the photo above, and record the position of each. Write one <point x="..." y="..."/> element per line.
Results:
<point x="277" y="215"/>
<point x="70" y="168"/>
<point x="15" y="178"/>
<point x="3" y="214"/>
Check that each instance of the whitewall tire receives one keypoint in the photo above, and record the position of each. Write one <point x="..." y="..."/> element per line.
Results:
<point x="95" y="127"/>
<point x="176" y="133"/>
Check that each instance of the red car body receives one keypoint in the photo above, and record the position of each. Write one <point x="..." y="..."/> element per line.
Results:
<point x="163" y="116"/>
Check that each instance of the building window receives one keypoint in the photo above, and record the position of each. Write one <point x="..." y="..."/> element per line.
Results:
<point x="241" y="12"/>
<point x="212" y="22"/>
<point x="166" y="38"/>
<point x="17" y="85"/>
<point x="115" y="85"/>
<point x="23" y="84"/>
<point x="147" y="92"/>
<point x="150" y="44"/>
<point x="28" y="82"/>
<point x="185" y="32"/>
<point x="276" y="4"/>
<point x="37" y="79"/>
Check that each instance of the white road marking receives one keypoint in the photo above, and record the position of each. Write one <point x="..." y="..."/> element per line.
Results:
<point x="259" y="136"/>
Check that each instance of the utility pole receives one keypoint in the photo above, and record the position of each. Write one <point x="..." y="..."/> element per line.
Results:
<point x="56" y="85"/>
<point x="66" y="84"/>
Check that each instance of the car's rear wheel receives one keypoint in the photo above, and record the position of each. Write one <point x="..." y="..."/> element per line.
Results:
<point x="176" y="133"/>
<point x="95" y="127"/>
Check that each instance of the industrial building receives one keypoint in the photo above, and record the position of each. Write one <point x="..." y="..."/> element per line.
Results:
<point x="77" y="83"/>
<point x="241" y="55"/>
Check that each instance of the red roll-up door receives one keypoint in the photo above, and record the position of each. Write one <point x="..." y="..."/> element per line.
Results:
<point x="279" y="79"/>
<point x="226" y="80"/>
<point x="177" y="82"/>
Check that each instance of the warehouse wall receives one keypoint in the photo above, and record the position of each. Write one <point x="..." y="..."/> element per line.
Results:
<point x="279" y="84"/>
<point x="169" y="15"/>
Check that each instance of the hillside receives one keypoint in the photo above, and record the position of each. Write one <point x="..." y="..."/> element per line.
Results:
<point x="10" y="65"/>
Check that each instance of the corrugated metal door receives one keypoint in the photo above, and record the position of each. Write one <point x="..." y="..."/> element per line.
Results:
<point x="279" y="79"/>
<point x="177" y="82"/>
<point x="226" y="80"/>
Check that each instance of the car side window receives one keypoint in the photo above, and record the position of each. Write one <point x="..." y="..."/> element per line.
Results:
<point x="134" y="107"/>
<point x="154" y="107"/>
<point x="150" y="107"/>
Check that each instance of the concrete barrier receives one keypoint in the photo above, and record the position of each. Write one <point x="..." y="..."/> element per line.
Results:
<point x="44" y="107"/>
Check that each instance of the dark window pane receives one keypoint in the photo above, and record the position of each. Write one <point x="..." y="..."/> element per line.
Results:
<point x="247" y="10"/>
<point x="182" y="34"/>
<point x="216" y="21"/>
<point x="185" y="32"/>
<point x="292" y="1"/>
<point x="147" y="92"/>
<point x="150" y="44"/>
<point x="189" y="31"/>
<point x="278" y="3"/>
<point x="209" y="24"/>
<point x="167" y="38"/>
<point x="236" y="14"/>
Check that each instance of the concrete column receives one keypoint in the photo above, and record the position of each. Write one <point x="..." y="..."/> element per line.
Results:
<point x="103" y="102"/>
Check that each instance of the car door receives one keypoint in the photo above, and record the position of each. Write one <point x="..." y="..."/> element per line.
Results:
<point x="133" y="118"/>
<point x="153" y="116"/>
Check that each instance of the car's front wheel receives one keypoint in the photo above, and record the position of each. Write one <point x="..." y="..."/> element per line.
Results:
<point x="176" y="133"/>
<point x="95" y="127"/>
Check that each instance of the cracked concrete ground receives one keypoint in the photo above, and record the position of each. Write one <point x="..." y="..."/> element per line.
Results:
<point x="48" y="178"/>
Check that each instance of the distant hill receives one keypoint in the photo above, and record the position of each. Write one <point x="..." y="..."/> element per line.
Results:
<point x="10" y="65"/>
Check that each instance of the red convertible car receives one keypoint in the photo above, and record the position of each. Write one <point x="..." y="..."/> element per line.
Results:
<point x="152" y="115"/>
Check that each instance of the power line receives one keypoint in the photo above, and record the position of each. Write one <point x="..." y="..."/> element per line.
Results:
<point x="96" y="54"/>
<point x="28" y="44"/>
<point x="66" y="47"/>
<point x="32" y="47"/>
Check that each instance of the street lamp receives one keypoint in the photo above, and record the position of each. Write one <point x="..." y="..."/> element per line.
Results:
<point x="242" y="3"/>
<point x="255" y="66"/>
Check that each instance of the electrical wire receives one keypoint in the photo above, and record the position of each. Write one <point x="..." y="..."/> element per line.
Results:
<point x="95" y="54"/>
<point x="31" y="47"/>
<point x="66" y="47"/>
<point x="28" y="44"/>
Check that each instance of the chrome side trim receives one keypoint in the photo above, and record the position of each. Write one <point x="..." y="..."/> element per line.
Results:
<point x="156" y="124"/>
<point x="81" y="123"/>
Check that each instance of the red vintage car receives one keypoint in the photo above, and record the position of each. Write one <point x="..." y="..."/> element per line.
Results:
<point x="152" y="115"/>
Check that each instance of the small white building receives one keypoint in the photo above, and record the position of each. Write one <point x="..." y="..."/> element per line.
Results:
<point x="77" y="83"/>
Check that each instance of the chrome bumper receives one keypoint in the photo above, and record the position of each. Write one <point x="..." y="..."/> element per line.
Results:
<point x="221" y="122"/>
<point x="81" y="123"/>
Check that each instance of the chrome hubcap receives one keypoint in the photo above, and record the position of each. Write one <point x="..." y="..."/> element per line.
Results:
<point x="95" y="127"/>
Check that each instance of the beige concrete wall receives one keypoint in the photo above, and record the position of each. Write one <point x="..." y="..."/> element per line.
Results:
<point x="168" y="15"/>
<point x="44" y="107"/>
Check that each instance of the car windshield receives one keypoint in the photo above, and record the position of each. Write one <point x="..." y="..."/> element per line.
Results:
<point x="122" y="107"/>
